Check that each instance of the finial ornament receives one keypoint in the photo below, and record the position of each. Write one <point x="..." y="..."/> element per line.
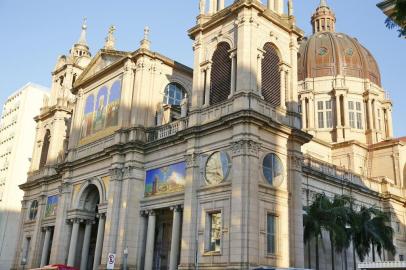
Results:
<point x="110" y="39"/>
<point x="82" y="38"/>
<point x="323" y="3"/>
<point x="145" y="43"/>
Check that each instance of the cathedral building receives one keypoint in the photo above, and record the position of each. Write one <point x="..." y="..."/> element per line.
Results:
<point x="145" y="162"/>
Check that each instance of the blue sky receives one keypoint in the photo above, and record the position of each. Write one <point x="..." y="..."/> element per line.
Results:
<point x="34" y="33"/>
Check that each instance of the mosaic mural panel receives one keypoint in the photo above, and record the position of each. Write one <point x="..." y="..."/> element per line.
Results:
<point x="165" y="180"/>
<point x="52" y="204"/>
<point x="101" y="108"/>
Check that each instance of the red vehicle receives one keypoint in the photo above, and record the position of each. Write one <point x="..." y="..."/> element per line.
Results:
<point x="56" y="267"/>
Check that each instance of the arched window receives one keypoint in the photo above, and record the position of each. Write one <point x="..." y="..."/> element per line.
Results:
<point x="271" y="77"/>
<point x="220" y="78"/>
<point x="33" y="210"/>
<point x="45" y="148"/>
<point x="174" y="93"/>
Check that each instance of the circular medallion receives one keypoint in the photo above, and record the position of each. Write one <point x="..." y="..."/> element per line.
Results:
<point x="349" y="51"/>
<point x="273" y="170"/>
<point x="323" y="51"/>
<point x="217" y="168"/>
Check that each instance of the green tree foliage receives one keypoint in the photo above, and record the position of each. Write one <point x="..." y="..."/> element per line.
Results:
<point x="366" y="228"/>
<point x="398" y="18"/>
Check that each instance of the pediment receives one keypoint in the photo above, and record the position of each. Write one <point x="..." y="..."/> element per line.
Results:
<point x="100" y="61"/>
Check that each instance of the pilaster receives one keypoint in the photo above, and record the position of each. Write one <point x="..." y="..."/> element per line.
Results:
<point x="113" y="213"/>
<point x="189" y="227"/>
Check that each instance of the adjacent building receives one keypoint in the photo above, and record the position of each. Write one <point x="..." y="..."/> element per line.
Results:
<point x="169" y="167"/>
<point x="17" y="136"/>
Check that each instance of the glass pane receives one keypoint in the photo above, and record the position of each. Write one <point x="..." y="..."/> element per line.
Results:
<point x="352" y="120"/>
<point x="272" y="169"/>
<point x="358" y="104"/>
<point x="328" y="105"/>
<point x="350" y="105"/>
<point x="271" y="234"/>
<point x="329" y="119"/>
<point x="359" y="120"/>
<point x="215" y="231"/>
<point x="320" y="105"/>
<point x="321" y="120"/>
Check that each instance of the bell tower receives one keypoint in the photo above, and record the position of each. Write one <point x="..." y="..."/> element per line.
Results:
<point x="53" y="123"/>
<point x="247" y="48"/>
<point x="245" y="93"/>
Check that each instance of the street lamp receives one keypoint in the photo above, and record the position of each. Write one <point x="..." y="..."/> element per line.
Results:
<point x="23" y="262"/>
<point x="125" y="258"/>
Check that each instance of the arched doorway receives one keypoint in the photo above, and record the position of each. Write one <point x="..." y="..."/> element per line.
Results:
<point x="85" y="229"/>
<point x="90" y="202"/>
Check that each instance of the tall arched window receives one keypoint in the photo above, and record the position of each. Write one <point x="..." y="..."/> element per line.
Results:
<point x="174" y="93"/>
<point x="220" y="87"/>
<point x="45" y="149"/>
<point x="271" y="76"/>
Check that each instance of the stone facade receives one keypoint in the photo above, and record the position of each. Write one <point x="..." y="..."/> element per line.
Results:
<point x="169" y="167"/>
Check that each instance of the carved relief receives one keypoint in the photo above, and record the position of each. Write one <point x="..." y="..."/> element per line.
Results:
<point x="246" y="147"/>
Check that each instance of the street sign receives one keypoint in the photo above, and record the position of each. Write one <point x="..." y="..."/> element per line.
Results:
<point x="111" y="260"/>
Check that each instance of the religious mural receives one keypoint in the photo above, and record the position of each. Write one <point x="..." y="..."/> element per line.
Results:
<point x="165" y="180"/>
<point x="101" y="108"/>
<point x="51" y="207"/>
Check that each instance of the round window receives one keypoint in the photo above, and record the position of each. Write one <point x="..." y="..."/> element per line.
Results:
<point x="217" y="168"/>
<point x="273" y="169"/>
<point x="33" y="210"/>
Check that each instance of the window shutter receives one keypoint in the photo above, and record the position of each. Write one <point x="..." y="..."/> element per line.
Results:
<point x="271" y="77"/>
<point x="220" y="86"/>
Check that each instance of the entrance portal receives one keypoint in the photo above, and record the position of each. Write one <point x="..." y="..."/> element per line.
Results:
<point x="163" y="237"/>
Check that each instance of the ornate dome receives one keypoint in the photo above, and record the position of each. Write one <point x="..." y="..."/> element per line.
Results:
<point x="327" y="53"/>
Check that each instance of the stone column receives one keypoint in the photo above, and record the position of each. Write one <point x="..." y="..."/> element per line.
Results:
<point x="86" y="243"/>
<point x="45" y="249"/>
<point x="295" y="207"/>
<point x="149" y="250"/>
<point x="304" y="113"/>
<point x="311" y="113"/>
<point x="338" y="111"/>
<point x="260" y="57"/>
<point x="346" y="113"/>
<point x="271" y="4"/>
<point x="233" y="56"/>
<point x="370" y="117"/>
<point x="390" y="123"/>
<point x="142" y="239"/>
<point x="73" y="242"/>
<point x="282" y="70"/>
<point x="176" y="225"/>
<point x="99" y="242"/>
<point x="220" y="5"/>
<point x="207" y="86"/>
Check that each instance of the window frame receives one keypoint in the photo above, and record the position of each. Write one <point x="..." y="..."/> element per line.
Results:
<point x="167" y="94"/>
<point x="208" y="248"/>
<point x="273" y="234"/>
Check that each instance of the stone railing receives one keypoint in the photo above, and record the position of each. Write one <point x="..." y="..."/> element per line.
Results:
<point x="383" y="265"/>
<point x="215" y="112"/>
<point x="170" y="129"/>
<point x="337" y="172"/>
